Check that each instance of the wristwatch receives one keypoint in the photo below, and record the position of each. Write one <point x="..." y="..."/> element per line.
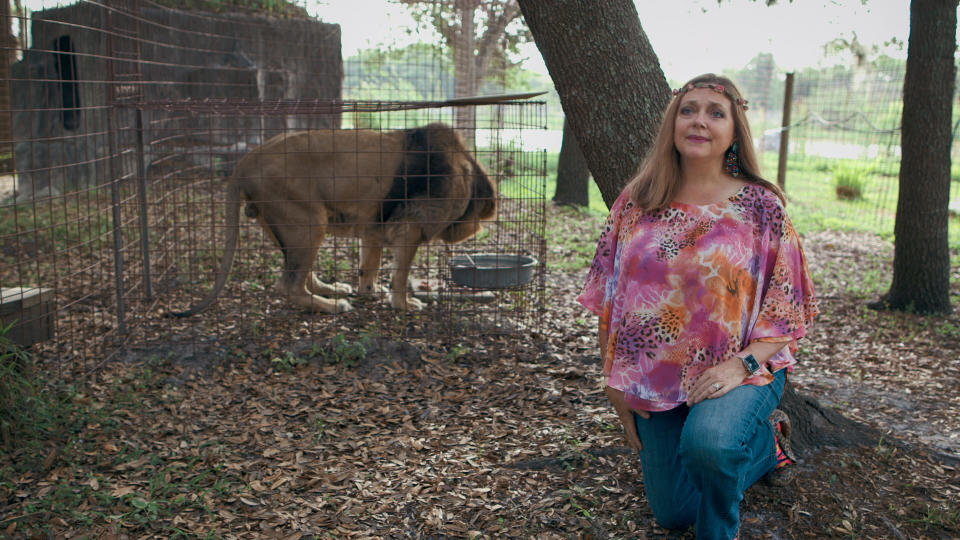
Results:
<point x="750" y="364"/>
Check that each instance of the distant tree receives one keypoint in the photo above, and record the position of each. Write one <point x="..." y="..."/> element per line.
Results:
<point x="758" y="89"/>
<point x="20" y="14"/>
<point x="479" y="33"/>
<point x="921" y="262"/>
<point x="394" y="73"/>
<point x="8" y="55"/>
<point x="573" y="175"/>
<point x="759" y="82"/>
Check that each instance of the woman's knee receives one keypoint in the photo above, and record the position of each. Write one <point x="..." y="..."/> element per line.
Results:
<point x="711" y="448"/>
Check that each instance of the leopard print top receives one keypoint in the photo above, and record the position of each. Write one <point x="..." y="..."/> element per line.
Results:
<point x="681" y="289"/>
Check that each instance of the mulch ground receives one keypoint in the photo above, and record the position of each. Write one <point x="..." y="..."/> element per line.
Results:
<point x="485" y="437"/>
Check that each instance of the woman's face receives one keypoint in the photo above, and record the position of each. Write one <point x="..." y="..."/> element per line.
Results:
<point x="703" y="128"/>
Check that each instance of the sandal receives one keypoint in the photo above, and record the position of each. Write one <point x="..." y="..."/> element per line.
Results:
<point x="786" y="469"/>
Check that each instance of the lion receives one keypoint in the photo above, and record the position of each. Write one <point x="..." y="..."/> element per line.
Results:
<point x="395" y="190"/>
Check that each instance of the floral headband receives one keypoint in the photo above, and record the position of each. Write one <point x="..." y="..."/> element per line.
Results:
<point x="718" y="88"/>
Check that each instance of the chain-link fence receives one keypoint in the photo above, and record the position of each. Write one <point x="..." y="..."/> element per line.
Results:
<point x="843" y="139"/>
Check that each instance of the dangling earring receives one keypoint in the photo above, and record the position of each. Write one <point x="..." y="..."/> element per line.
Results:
<point x="732" y="163"/>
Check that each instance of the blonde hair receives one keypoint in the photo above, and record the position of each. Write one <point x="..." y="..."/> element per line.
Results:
<point x="656" y="183"/>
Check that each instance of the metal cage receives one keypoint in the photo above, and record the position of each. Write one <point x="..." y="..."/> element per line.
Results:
<point x="127" y="121"/>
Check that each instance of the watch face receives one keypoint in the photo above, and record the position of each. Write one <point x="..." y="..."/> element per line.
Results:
<point x="750" y="362"/>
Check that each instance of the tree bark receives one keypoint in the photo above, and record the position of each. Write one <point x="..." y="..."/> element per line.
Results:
<point x="611" y="86"/>
<point x="573" y="175"/>
<point x="921" y="262"/>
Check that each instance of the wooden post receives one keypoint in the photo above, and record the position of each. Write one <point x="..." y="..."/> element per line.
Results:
<point x="785" y="133"/>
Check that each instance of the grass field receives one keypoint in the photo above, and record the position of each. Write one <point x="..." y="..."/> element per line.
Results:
<point x="813" y="204"/>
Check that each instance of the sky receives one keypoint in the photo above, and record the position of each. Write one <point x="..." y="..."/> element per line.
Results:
<point x="690" y="36"/>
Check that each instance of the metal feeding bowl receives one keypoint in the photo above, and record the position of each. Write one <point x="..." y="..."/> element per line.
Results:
<point x="492" y="270"/>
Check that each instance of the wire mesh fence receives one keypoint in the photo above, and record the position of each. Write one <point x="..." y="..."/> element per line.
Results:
<point x="129" y="123"/>
<point x="843" y="138"/>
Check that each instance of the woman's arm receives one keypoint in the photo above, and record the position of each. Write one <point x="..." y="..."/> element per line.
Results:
<point x="730" y="373"/>
<point x="617" y="397"/>
<point x="763" y="351"/>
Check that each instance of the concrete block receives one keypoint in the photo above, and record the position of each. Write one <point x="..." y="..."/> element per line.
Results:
<point x="30" y="311"/>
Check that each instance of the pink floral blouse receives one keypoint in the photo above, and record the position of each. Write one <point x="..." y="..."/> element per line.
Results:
<point x="681" y="289"/>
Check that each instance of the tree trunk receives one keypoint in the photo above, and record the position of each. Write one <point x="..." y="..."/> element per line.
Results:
<point x="609" y="80"/>
<point x="573" y="175"/>
<point x="816" y="426"/>
<point x="921" y="262"/>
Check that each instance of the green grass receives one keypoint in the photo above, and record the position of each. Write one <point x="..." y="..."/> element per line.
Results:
<point x="812" y="205"/>
<point x="76" y="223"/>
<point x="849" y="182"/>
<point x="596" y="208"/>
<point x="77" y="219"/>
<point x="33" y="412"/>
<point x="812" y="201"/>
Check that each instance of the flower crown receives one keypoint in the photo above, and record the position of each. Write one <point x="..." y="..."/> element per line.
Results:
<point x="718" y="88"/>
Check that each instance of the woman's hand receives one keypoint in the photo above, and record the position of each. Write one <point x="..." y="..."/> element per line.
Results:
<point x="625" y="413"/>
<point x="717" y="381"/>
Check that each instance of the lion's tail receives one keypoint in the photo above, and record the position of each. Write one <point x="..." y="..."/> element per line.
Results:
<point x="229" y="250"/>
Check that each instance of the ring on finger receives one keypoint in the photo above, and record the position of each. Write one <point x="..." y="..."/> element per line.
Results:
<point x="717" y="386"/>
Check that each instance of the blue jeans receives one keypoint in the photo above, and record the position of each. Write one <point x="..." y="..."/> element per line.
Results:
<point x="698" y="461"/>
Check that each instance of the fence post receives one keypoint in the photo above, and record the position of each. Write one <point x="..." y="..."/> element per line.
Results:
<point x="115" y="178"/>
<point x="144" y="222"/>
<point x="785" y="133"/>
<point x="114" y="158"/>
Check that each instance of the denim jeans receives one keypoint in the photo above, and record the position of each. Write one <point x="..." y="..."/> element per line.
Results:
<point x="698" y="461"/>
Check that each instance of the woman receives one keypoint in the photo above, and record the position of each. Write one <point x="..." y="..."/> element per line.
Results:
<point x="702" y="291"/>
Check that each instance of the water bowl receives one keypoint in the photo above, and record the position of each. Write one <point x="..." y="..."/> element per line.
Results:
<point x="492" y="270"/>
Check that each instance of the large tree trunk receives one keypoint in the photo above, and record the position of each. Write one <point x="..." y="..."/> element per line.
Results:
<point x="573" y="175"/>
<point x="610" y="83"/>
<point x="921" y="262"/>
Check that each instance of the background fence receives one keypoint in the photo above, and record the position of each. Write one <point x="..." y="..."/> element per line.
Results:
<point x="844" y="139"/>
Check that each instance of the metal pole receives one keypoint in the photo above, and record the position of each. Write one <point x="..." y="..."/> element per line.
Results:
<point x="785" y="133"/>
<point x="142" y="196"/>
<point x="115" y="169"/>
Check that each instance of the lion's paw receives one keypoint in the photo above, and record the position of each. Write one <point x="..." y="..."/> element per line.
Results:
<point x="373" y="290"/>
<point x="410" y="303"/>
<point x="343" y="306"/>
<point x="342" y="288"/>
